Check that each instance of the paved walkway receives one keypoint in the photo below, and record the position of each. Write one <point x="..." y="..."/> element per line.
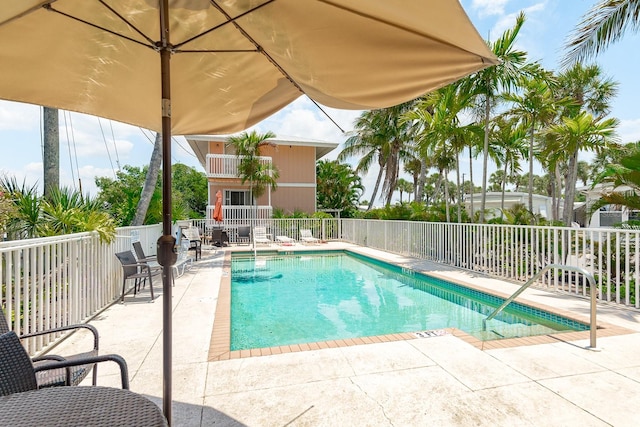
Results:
<point x="438" y="381"/>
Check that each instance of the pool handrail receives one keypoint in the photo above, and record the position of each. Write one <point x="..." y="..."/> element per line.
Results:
<point x="592" y="286"/>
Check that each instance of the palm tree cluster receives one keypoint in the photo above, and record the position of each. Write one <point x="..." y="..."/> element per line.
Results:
<point x="513" y="114"/>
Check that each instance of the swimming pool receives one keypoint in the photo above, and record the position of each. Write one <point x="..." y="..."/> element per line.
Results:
<point x="314" y="297"/>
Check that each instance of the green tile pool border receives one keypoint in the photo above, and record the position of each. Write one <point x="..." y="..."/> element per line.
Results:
<point x="219" y="348"/>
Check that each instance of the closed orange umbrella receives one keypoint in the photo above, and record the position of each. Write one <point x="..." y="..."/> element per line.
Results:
<point x="217" y="211"/>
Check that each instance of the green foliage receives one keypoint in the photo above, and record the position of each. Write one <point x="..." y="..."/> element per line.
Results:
<point x="337" y="187"/>
<point x="251" y="169"/>
<point x="66" y="211"/>
<point x="120" y="196"/>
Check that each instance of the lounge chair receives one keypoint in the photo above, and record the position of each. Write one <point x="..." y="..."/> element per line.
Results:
<point x="138" y="271"/>
<point x="244" y="234"/>
<point x="219" y="237"/>
<point x="53" y="378"/>
<point x="184" y="260"/>
<point x="18" y="374"/>
<point x="260" y="236"/>
<point x="195" y="241"/>
<point x="285" y="240"/>
<point x="307" y="237"/>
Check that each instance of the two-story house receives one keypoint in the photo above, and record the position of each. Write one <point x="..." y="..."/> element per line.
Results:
<point x="294" y="157"/>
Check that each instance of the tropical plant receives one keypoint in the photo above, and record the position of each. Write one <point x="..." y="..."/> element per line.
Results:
<point x="603" y="24"/>
<point x="337" y="187"/>
<point x="252" y="169"/>
<point x="624" y="179"/>
<point x="580" y="133"/>
<point x="404" y="186"/>
<point x="488" y="83"/>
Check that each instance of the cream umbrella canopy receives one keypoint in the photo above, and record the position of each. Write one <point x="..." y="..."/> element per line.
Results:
<point x="220" y="66"/>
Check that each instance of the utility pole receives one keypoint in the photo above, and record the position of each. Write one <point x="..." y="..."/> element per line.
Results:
<point x="50" y="151"/>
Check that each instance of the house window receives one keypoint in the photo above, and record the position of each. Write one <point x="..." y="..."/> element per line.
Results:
<point x="237" y="198"/>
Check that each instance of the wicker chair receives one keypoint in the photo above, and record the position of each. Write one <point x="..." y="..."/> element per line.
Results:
<point x="138" y="271"/>
<point x="18" y="373"/>
<point x="52" y="378"/>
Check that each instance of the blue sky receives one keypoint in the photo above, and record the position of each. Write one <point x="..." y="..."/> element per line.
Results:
<point x="98" y="146"/>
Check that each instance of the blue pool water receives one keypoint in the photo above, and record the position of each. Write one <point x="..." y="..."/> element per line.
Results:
<point x="293" y="299"/>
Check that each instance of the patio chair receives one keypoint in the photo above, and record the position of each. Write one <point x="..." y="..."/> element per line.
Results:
<point x="195" y="241"/>
<point x="285" y="241"/>
<point x="260" y="236"/>
<point x="138" y="271"/>
<point x="219" y="237"/>
<point x="18" y="373"/>
<point x="152" y="259"/>
<point x="244" y="234"/>
<point x="307" y="237"/>
<point x="184" y="260"/>
<point x="54" y="378"/>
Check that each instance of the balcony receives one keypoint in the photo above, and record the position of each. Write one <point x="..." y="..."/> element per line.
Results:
<point x="241" y="214"/>
<point x="226" y="165"/>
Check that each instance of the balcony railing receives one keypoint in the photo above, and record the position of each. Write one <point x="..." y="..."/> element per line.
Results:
<point x="226" y="165"/>
<point x="234" y="215"/>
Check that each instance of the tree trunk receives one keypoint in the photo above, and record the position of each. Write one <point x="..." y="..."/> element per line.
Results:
<point x="421" y="179"/>
<point x="485" y="153"/>
<point x="570" y="189"/>
<point x="471" y="182"/>
<point x="51" y="151"/>
<point x="150" y="182"/>
<point x="531" y="170"/>
<point x="446" y="195"/>
<point x="504" y="185"/>
<point x="459" y="188"/>
<point x="375" y="188"/>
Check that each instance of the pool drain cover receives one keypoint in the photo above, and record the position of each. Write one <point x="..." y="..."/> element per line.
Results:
<point x="429" y="334"/>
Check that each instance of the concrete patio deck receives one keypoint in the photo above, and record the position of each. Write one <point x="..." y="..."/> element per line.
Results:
<point x="439" y="381"/>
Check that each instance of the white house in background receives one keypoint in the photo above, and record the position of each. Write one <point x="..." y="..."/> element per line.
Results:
<point x="542" y="205"/>
<point x="608" y="215"/>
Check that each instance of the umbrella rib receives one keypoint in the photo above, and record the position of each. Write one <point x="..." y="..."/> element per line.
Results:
<point x="50" y="8"/>
<point x="123" y="19"/>
<point x="228" y="21"/>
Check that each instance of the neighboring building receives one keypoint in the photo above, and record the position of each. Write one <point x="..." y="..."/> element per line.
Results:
<point x="295" y="158"/>
<point x="606" y="216"/>
<point x="542" y="205"/>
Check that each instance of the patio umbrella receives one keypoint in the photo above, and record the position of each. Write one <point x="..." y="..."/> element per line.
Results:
<point x="219" y="66"/>
<point x="217" y="210"/>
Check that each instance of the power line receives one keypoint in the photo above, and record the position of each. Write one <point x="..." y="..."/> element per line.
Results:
<point x="107" y="148"/>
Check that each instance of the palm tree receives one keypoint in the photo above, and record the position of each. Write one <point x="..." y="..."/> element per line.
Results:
<point x="535" y="106"/>
<point x="260" y="175"/>
<point x="624" y="173"/>
<point x="603" y="24"/>
<point x="511" y="137"/>
<point x="488" y="83"/>
<point x="580" y="133"/>
<point x="404" y="186"/>
<point x="153" y="172"/>
<point x="382" y="135"/>
<point x="338" y="187"/>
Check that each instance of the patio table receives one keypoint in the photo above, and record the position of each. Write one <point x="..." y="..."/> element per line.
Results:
<point x="79" y="406"/>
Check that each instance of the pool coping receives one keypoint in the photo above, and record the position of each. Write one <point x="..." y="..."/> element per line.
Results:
<point x="220" y="343"/>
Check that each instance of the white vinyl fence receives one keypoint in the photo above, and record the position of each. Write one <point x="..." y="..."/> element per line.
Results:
<point x="62" y="280"/>
<point x="516" y="253"/>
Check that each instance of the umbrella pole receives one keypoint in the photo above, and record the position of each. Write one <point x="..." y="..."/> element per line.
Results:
<point x="166" y="243"/>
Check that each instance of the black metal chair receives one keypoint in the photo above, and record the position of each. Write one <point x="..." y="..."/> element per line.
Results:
<point x="54" y="378"/>
<point x="138" y="271"/>
<point x="219" y="237"/>
<point x="18" y="373"/>
<point x="244" y="234"/>
<point x="137" y="247"/>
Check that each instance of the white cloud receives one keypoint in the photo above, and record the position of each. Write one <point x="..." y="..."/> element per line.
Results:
<point x="489" y="7"/>
<point x="18" y="116"/>
<point x="629" y="130"/>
